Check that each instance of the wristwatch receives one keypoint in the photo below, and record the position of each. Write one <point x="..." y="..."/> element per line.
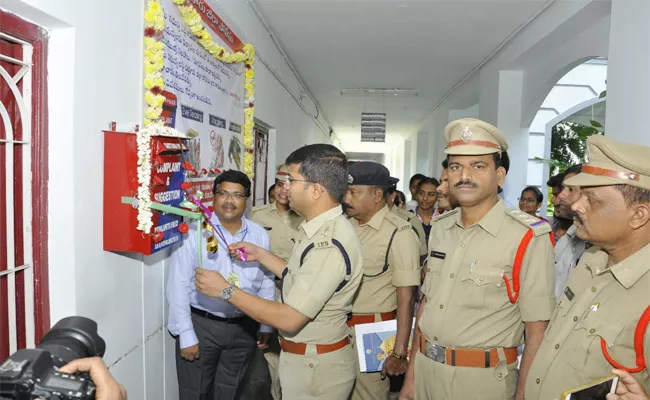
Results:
<point x="226" y="293"/>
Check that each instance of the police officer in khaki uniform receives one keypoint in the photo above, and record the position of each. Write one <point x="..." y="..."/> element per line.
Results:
<point x="481" y="292"/>
<point x="594" y="324"/>
<point x="390" y="271"/>
<point x="319" y="281"/>
<point x="408" y="216"/>
<point x="282" y="223"/>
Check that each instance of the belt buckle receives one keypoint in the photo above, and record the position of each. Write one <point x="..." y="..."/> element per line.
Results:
<point x="436" y="353"/>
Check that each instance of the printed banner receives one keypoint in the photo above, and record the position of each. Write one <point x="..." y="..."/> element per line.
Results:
<point x="167" y="176"/>
<point x="204" y="97"/>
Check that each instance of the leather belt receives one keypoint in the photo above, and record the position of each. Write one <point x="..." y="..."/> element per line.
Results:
<point x="477" y="358"/>
<point x="301" y="348"/>
<point x="629" y="176"/>
<point x="356" y="319"/>
<point x="482" y="143"/>
<point x="209" y="315"/>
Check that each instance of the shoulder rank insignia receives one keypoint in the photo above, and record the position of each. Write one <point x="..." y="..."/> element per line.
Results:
<point x="538" y="226"/>
<point x="445" y="215"/>
<point x="400" y="223"/>
<point x="323" y="237"/>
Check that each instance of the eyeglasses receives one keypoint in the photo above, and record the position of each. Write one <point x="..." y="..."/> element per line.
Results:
<point x="222" y="195"/>
<point x="525" y="200"/>
<point x="289" y="180"/>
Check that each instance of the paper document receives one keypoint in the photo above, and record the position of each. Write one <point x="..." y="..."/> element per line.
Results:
<point x="375" y="343"/>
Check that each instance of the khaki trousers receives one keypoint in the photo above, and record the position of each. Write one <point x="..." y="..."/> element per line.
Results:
<point x="314" y="376"/>
<point x="434" y="380"/>
<point x="272" y="356"/>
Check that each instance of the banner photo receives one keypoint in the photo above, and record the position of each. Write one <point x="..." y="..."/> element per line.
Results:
<point x="204" y="97"/>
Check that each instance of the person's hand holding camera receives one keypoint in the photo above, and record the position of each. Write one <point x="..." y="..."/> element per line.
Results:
<point x="107" y="386"/>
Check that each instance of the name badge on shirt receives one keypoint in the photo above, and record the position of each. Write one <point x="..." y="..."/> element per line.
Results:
<point x="569" y="293"/>
<point x="437" y="254"/>
<point x="233" y="279"/>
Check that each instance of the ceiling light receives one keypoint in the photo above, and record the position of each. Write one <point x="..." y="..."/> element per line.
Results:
<point x="380" y="92"/>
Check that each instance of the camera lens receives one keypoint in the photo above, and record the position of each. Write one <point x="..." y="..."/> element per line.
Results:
<point x="73" y="338"/>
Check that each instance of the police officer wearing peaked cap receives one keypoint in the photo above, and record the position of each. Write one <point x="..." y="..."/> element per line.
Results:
<point x="601" y="319"/>
<point x="478" y="297"/>
<point x="391" y="271"/>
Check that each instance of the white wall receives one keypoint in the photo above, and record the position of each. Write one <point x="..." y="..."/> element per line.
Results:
<point x="586" y="81"/>
<point x="564" y="35"/>
<point x="95" y="76"/>
<point x="463" y="103"/>
<point x="273" y="104"/>
<point x="392" y="149"/>
<point x="628" y="79"/>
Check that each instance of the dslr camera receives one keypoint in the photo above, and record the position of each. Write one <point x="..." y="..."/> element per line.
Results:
<point x="33" y="374"/>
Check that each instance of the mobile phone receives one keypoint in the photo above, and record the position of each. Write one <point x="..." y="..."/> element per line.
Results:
<point x="596" y="390"/>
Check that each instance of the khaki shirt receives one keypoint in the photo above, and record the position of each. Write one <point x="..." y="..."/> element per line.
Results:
<point x="417" y="227"/>
<point x="311" y="288"/>
<point x="377" y="293"/>
<point x="282" y="228"/>
<point x="598" y="302"/>
<point x="467" y="302"/>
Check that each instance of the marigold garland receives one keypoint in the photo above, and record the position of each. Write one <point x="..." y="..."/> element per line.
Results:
<point x="154" y="50"/>
<point x="154" y="84"/>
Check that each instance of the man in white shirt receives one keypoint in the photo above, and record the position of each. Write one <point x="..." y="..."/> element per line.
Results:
<point x="569" y="248"/>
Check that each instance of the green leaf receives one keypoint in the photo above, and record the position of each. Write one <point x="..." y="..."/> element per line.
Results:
<point x="552" y="163"/>
<point x="595" y="123"/>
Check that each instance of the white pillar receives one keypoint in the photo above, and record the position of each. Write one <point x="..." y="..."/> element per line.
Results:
<point x="501" y="104"/>
<point x="628" y="77"/>
<point x="423" y="162"/>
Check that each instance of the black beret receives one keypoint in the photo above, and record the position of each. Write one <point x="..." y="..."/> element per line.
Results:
<point x="370" y="173"/>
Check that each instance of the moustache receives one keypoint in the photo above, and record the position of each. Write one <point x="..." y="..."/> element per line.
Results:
<point x="346" y="206"/>
<point x="441" y="195"/>
<point x="466" y="183"/>
<point x="228" y="206"/>
<point x="576" y="216"/>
